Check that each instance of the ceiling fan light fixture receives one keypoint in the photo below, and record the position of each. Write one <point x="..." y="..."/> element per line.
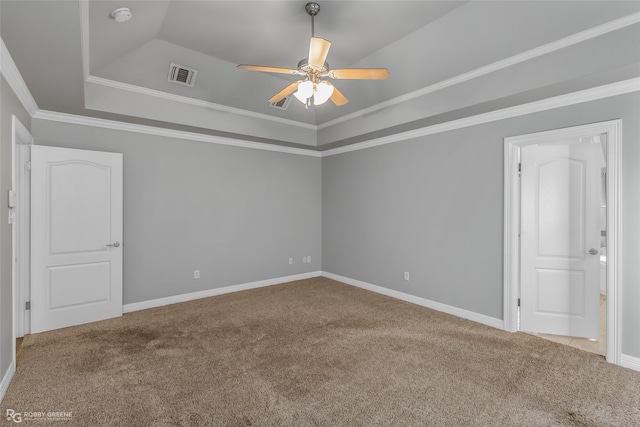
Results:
<point x="300" y="97"/>
<point x="304" y="92"/>
<point x="322" y="93"/>
<point x="305" y="89"/>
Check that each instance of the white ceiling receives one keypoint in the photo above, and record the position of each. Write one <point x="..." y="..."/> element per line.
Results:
<point x="441" y="56"/>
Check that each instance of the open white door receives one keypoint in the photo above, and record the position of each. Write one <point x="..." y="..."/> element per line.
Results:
<point x="76" y="235"/>
<point x="560" y="239"/>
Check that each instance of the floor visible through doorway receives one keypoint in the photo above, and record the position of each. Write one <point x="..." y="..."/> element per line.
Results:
<point x="597" y="347"/>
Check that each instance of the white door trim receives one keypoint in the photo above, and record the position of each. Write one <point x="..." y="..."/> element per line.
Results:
<point x="21" y="141"/>
<point x="512" y="145"/>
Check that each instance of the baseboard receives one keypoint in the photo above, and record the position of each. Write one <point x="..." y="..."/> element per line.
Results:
<point x="127" y="308"/>
<point x="465" y="314"/>
<point x="6" y="380"/>
<point x="630" y="362"/>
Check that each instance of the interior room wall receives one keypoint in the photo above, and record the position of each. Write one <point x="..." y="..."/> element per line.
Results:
<point x="9" y="106"/>
<point x="236" y="214"/>
<point x="433" y="206"/>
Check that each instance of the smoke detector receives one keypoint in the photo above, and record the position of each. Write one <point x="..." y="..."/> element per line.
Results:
<point x="121" y="14"/>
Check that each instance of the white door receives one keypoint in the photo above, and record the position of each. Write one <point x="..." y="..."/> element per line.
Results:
<point x="76" y="235"/>
<point x="560" y="239"/>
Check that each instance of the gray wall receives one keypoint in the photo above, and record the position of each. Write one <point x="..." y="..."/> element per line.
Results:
<point x="9" y="105"/>
<point x="433" y="206"/>
<point x="236" y="214"/>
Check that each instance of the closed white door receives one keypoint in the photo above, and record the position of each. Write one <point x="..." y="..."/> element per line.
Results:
<point x="560" y="239"/>
<point x="76" y="237"/>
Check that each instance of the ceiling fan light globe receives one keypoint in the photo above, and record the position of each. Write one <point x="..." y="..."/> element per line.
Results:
<point x="300" y="97"/>
<point x="305" y="89"/>
<point x="322" y="93"/>
<point x="319" y="101"/>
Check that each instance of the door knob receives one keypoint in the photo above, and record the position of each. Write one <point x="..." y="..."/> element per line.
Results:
<point x="114" y="244"/>
<point x="592" y="251"/>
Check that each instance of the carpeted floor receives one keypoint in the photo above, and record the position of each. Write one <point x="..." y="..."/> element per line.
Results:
<point x="313" y="352"/>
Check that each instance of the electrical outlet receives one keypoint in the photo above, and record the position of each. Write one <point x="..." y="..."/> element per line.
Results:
<point x="308" y="258"/>
<point x="196" y="274"/>
<point x="290" y="261"/>
<point x="406" y="276"/>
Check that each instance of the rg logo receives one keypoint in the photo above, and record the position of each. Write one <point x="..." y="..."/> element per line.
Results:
<point x="14" y="416"/>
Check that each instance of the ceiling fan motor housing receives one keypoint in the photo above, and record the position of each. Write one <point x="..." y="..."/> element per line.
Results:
<point x="304" y="68"/>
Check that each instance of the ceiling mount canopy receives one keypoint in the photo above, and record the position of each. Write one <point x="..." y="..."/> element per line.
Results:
<point x="314" y="70"/>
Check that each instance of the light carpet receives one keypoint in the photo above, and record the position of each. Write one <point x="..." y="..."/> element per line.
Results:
<point x="313" y="353"/>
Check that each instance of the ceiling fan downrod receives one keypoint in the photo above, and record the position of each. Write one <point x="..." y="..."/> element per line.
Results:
<point x="312" y="9"/>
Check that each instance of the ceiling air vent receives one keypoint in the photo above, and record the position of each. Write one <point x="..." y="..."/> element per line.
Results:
<point x="283" y="104"/>
<point x="182" y="75"/>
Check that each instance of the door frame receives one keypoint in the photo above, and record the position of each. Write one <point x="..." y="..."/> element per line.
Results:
<point x="512" y="145"/>
<point x="21" y="142"/>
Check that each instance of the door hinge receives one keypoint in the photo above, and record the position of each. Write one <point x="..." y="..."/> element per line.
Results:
<point x="27" y="305"/>
<point x="27" y="165"/>
<point x="519" y="169"/>
<point x="518" y="302"/>
<point x="11" y="199"/>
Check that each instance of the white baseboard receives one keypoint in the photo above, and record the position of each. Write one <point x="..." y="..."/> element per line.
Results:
<point x="127" y="308"/>
<point x="626" y="361"/>
<point x="630" y="362"/>
<point x="465" y="314"/>
<point x="6" y="380"/>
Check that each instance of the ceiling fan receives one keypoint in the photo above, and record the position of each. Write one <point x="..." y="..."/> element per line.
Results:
<point x="315" y="70"/>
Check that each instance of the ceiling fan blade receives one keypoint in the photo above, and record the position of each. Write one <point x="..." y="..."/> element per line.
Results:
<point x="338" y="98"/>
<point x="286" y="91"/>
<point x="318" y="50"/>
<point x="360" y="73"/>
<point x="268" y="69"/>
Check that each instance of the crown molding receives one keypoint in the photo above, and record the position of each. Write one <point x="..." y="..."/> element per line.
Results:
<point x="169" y="133"/>
<point x="582" y="36"/>
<point x="593" y="94"/>
<point x="11" y="73"/>
<point x="88" y="78"/>
<point x="606" y="91"/>
<point x="496" y="66"/>
<point x="193" y="101"/>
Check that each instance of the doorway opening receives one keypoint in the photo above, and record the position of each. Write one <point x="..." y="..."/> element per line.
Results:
<point x="610" y="133"/>
<point x="20" y="217"/>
